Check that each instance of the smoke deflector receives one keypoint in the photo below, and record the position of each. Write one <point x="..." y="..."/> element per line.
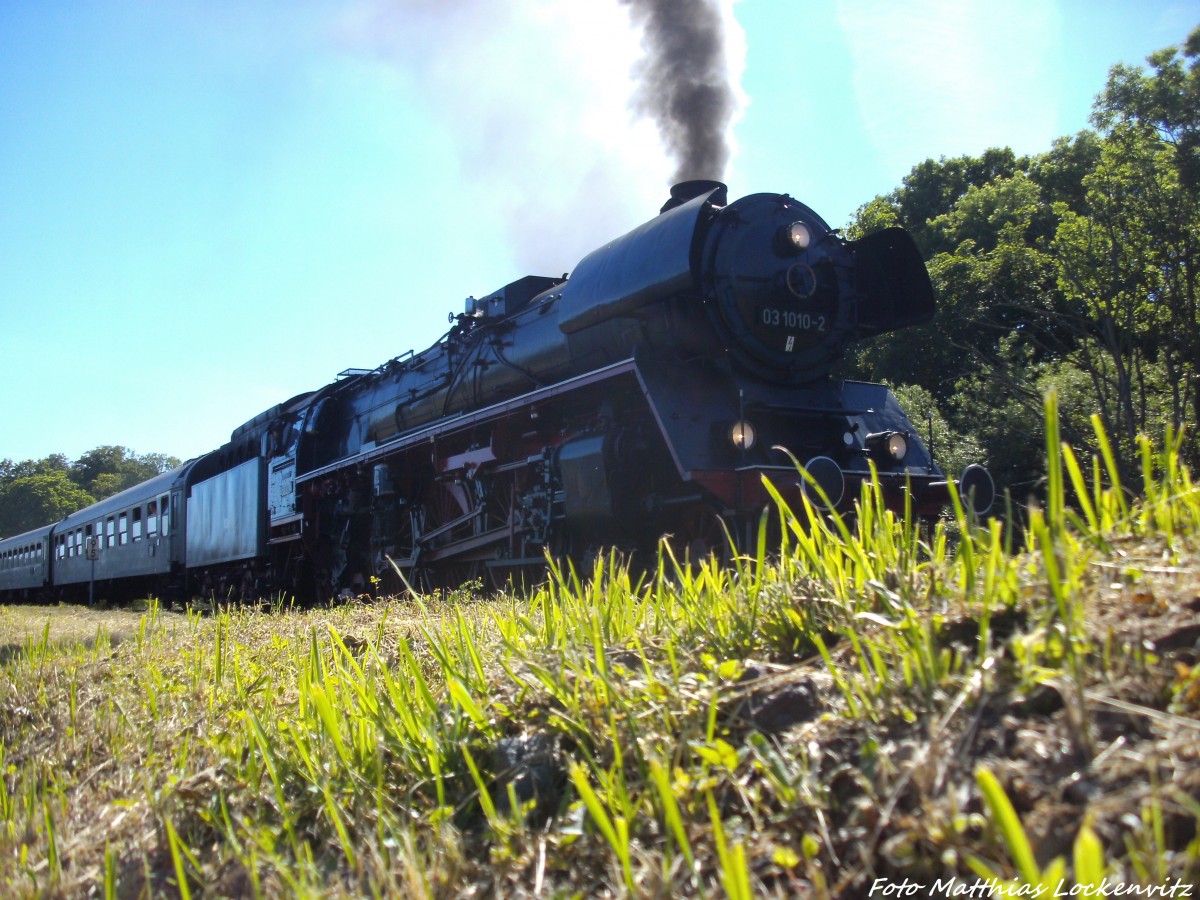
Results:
<point x="892" y="283"/>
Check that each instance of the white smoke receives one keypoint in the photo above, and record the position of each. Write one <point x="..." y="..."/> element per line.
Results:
<point x="541" y="103"/>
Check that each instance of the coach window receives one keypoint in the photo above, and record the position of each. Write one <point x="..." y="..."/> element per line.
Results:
<point x="110" y="532"/>
<point x="123" y="529"/>
<point x="151" y="518"/>
<point x="165" y="506"/>
<point x="137" y="523"/>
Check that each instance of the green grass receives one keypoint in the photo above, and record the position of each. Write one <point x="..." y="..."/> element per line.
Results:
<point x="356" y="750"/>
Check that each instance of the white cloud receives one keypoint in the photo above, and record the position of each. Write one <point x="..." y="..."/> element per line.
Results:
<point x="948" y="77"/>
<point x="534" y="95"/>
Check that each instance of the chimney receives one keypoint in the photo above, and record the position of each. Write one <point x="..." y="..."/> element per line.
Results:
<point x="689" y="190"/>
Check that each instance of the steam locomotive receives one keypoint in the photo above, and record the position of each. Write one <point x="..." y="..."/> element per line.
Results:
<point x="652" y="393"/>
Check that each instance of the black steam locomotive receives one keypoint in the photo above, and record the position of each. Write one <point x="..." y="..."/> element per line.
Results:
<point x="649" y="394"/>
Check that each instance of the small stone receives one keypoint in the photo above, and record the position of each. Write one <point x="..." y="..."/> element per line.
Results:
<point x="1042" y="700"/>
<point x="533" y="765"/>
<point x="776" y="710"/>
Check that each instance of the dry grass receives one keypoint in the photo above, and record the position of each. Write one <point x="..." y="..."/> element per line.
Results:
<point x="63" y="625"/>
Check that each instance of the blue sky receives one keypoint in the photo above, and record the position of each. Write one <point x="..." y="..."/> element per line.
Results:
<point x="207" y="207"/>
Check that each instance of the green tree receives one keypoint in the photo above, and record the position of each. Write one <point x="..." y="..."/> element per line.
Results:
<point x="1144" y="202"/>
<point x="110" y="469"/>
<point x="55" y="462"/>
<point x="1073" y="269"/>
<point x="1111" y="270"/>
<point x="38" y="492"/>
<point x="1166" y="99"/>
<point x="30" y="501"/>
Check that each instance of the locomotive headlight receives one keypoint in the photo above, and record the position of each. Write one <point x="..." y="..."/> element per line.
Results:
<point x="742" y="435"/>
<point x="799" y="235"/>
<point x="887" y="446"/>
<point x="794" y="238"/>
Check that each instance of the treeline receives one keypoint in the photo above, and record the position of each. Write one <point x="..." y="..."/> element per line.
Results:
<point x="38" y="492"/>
<point x="1075" y="269"/>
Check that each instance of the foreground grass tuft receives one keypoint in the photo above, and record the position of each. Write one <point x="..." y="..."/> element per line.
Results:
<point x="877" y="700"/>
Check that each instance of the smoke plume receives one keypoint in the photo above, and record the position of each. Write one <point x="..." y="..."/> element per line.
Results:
<point x="685" y="83"/>
<point x="533" y="99"/>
